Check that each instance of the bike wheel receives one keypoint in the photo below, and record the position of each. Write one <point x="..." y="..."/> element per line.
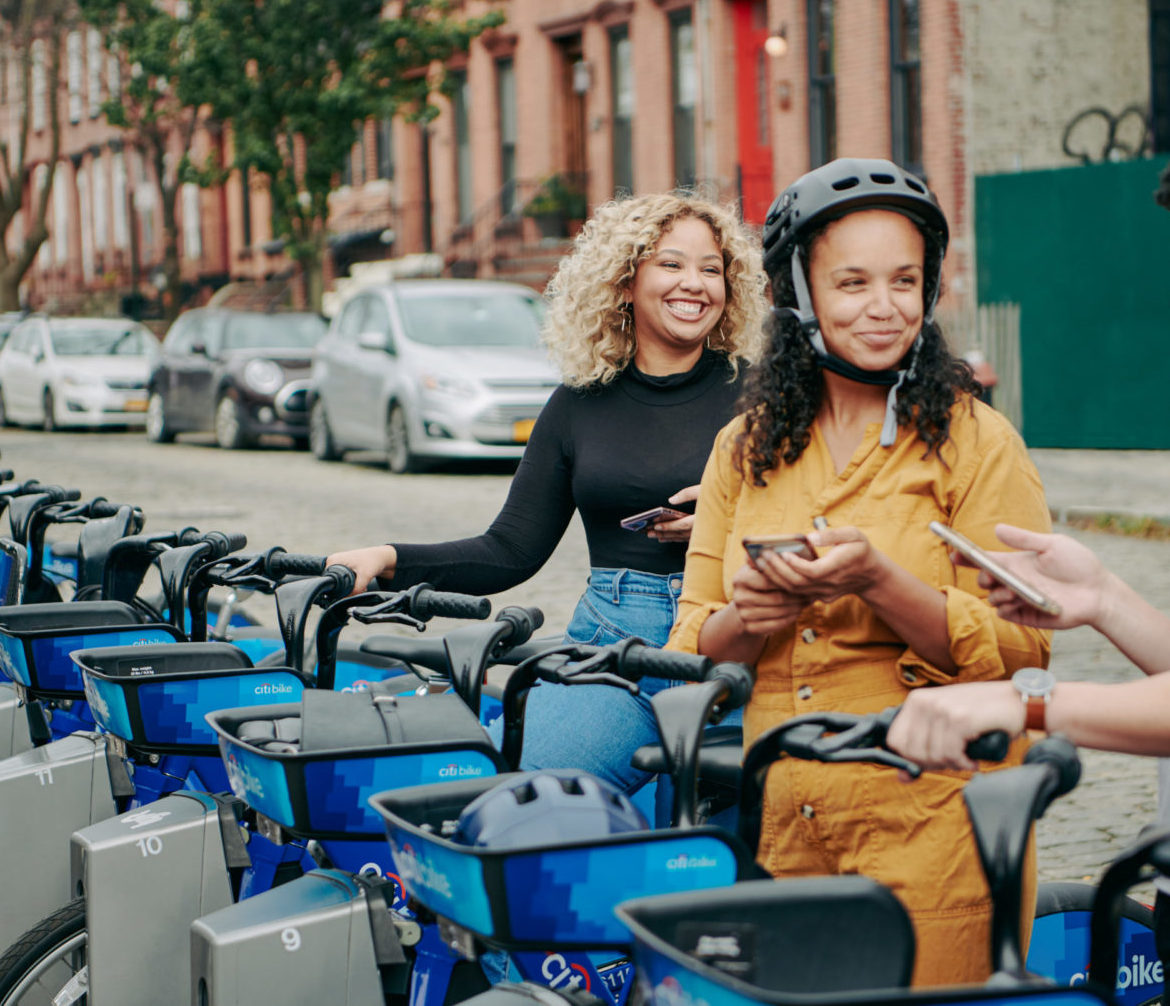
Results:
<point x="1059" y="948"/>
<point x="48" y="964"/>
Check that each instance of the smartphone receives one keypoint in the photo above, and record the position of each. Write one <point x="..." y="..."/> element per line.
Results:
<point x="967" y="548"/>
<point x="779" y="543"/>
<point x="643" y="520"/>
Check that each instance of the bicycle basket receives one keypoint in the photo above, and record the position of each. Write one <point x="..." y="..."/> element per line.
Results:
<point x="312" y="767"/>
<point x="36" y="640"/>
<point x="537" y="897"/>
<point x="156" y="697"/>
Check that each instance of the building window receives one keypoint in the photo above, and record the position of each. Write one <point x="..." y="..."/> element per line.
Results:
<point x="39" y="85"/>
<point x="459" y="106"/>
<point x="118" y="195"/>
<point x="75" y="72"/>
<point x="621" y="69"/>
<point x="506" y="110"/>
<point x="384" y="147"/>
<point x="905" y="85"/>
<point x="101" y="205"/>
<point x="192" y="241"/>
<point x="1160" y="75"/>
<point x="40" y="180"/>
<point x="145" y="200"/>
<point x="113" y="78"/>
<point x="683" y="91"/>
<point x="822" y="85"/>
<point x="60" y="220"/>
<point x="93" y="66"/>
<point x="85" y="213"/>
<point x="347" y="169"/>
<point x="246" y="206"/>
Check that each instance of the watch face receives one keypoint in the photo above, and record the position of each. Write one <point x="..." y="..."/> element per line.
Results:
<point x="1033" y="681"/>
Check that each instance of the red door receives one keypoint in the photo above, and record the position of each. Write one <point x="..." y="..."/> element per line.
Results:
<point x="752" y="109"/>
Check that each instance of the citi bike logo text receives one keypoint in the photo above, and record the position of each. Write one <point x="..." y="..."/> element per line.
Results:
<point x="244" y="781"/>
<point x="557" y="972"/>
<point x="685" y="862"/>
<point x="669" y="992"/>
<point x="455" y="771"/>
<point x="417" y="870"/>
<point x="1140" y="971"/>
<point x="272" y="688"/>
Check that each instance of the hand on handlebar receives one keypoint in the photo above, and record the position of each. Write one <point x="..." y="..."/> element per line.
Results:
<point x="367" y="564"/>
<point x="935" y="724"/>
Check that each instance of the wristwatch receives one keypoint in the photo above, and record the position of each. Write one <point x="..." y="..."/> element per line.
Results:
<point x="1035" y="686"/>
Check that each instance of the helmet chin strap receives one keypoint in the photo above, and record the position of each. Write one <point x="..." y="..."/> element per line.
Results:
<point x="893" y="379"/>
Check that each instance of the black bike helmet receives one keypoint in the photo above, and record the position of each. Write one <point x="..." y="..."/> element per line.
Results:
<point x="547" y="807"/>
<point x="844" y="186"/>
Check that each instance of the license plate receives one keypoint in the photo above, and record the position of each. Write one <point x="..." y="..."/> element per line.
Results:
<point x="522" y="430"/>
<point x="135" y="405"/>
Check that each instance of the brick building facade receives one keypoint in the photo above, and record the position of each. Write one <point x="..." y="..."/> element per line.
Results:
<point x="735" y="96"/>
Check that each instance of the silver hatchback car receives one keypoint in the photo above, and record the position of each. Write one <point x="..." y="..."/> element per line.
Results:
<point x="429" y="369"/>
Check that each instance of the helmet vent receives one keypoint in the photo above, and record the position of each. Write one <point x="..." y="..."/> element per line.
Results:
<point x="572" y="786"/>
<point x="841" y="184"/>
<point x="883" y="179"/>
<point x="913" y="184"/>
<point x="525" y="793"/>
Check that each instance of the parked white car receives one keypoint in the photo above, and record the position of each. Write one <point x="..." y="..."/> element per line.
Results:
<point x="57" y="372"/>
<point x="428" y="369"/>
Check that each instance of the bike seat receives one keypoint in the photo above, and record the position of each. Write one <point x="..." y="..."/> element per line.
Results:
<point x="719" y="759"/>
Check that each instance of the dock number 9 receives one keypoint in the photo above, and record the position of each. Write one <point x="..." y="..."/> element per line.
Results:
<point x="291" y="938"/>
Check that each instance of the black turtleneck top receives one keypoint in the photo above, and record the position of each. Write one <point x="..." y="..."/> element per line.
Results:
<point x="608" y="451"/>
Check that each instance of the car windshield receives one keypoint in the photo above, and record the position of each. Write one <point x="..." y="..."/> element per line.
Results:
<point x="102" y="340"/>
<point x="273" y="331"/>
<point x="493" y="318"/>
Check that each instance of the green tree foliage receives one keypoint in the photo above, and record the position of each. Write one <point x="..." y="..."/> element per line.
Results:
<point x="174" y="63"/>
<point x="301" y="78"/>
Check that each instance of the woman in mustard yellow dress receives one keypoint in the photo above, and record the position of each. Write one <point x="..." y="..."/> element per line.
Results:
<point x="859" y="429"/>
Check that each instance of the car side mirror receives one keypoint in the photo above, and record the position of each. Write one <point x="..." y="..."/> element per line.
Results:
<point x="375" y="340"/>
<point x="199" y="348"/>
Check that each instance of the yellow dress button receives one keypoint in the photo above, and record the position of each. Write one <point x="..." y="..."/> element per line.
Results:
<point x="808" y="811"/>
<point x="910" y="677"/>
<point x="804" y="692"/>
<point x="808" y="635"/>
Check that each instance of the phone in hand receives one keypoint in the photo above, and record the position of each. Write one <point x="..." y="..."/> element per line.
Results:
<point x="647" y="518"/>
<point x="779" y="543"/>
<point x="969" y="550"/>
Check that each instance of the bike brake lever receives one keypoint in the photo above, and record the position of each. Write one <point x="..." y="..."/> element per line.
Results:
<point x="388" y="617"/>
<point x="867" y="728"/>
<point x="585" y="677"/>
<point x="880" y="756"/>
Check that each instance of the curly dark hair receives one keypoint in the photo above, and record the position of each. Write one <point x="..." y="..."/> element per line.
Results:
<point x="783" y="393"/>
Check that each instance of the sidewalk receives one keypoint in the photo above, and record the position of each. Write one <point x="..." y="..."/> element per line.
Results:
<point x="1081" y="483"/>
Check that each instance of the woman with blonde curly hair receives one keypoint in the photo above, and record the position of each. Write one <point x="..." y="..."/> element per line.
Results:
<point x="660" y="301"/>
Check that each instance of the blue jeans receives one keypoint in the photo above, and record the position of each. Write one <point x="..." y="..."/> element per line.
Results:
<point x="597" y="728"/>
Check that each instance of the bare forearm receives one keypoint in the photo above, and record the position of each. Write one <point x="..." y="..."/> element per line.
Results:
<point x="1135" y="627"/>
<point x="913" y="609"/>
<point x="722" y="637"/>
<point x="1130" y="718"/>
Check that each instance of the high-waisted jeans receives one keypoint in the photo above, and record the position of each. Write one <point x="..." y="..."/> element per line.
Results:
<point x="597" y="728"/>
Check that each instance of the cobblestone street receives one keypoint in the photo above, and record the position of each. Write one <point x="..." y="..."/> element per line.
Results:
<point x="282" y="497"/>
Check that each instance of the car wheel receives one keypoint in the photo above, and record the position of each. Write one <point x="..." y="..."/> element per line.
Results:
<point x="49" y="424"/>
<point x="321" y="441"/>
<point x="229" y="425"/>
<point x="157" y="428"/>
<point x="399" y="457"/>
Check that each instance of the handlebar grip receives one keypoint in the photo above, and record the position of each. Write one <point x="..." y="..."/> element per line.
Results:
<point x="343" y="577"/>
<point x="7" y="474"/>
<point x="102" y="507"/>
<point x="649" y="661"/>
<point x="442" y="604"/>
<point x="223" y="543"/>
<point x="291" y="564"/>
<point x="59" y="494"/>
<point x="991" y="746"/>
<point x="739" y="680"/>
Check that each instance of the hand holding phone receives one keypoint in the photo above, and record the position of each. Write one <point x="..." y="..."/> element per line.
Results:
<point x="755" y="545"/>
<point x="648" y="518"/>
<point x="972" y="552"/>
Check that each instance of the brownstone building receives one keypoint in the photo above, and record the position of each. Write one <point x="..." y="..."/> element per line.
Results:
<point x="572" y="101"/>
